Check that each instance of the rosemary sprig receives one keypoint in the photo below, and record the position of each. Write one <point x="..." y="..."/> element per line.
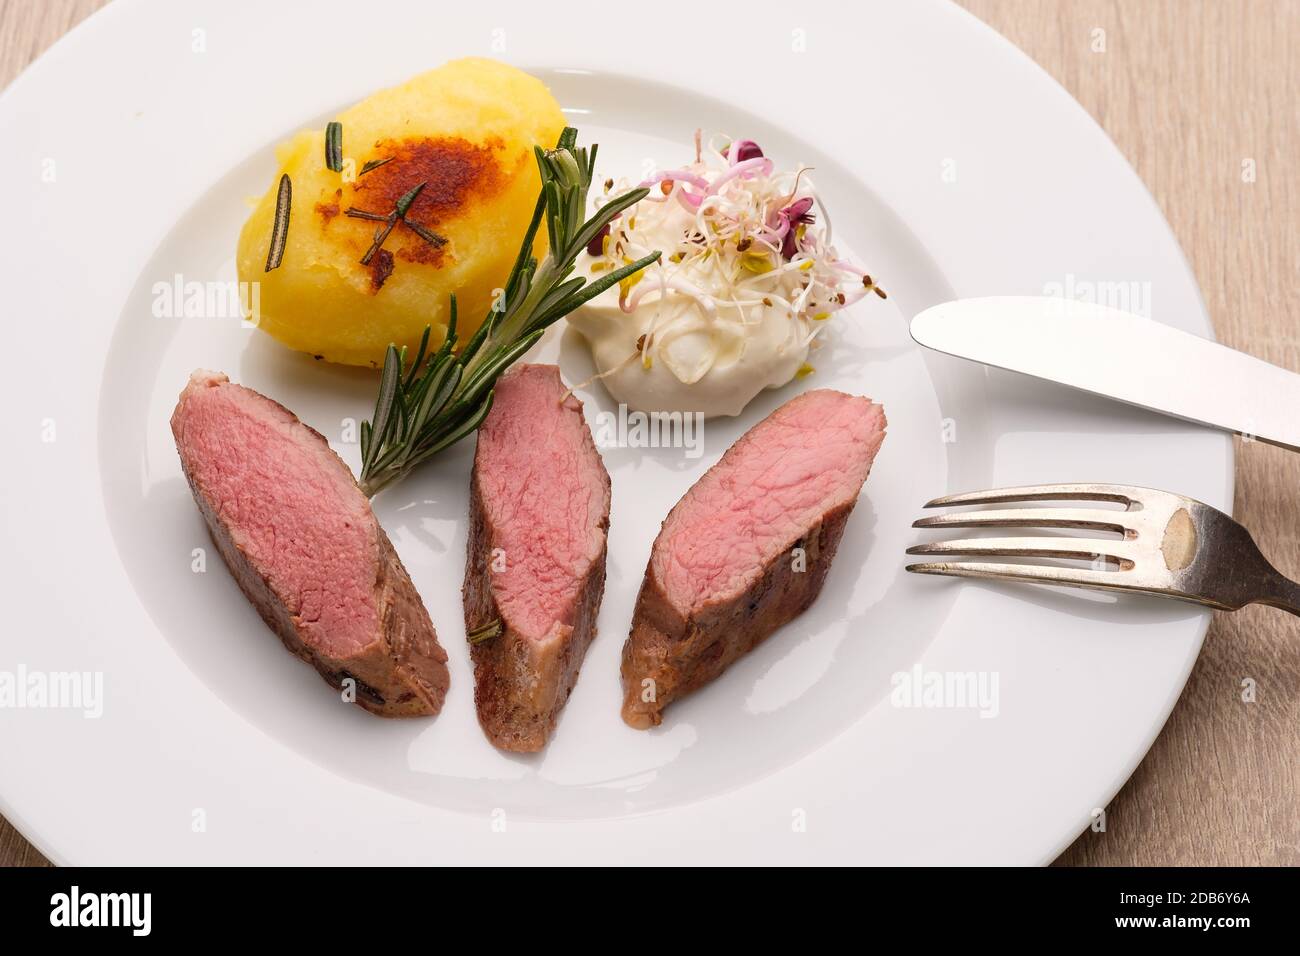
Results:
<point x="442" y="396"/>
<point x="400" y="209"/>
<point x="280" y="225"/>
<point x="334" y="146"/>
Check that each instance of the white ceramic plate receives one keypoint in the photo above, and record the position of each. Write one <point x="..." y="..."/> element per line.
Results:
<point x="956" y="167"/>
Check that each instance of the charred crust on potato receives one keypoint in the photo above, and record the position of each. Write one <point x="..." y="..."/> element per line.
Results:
<point x="458" y="175"/>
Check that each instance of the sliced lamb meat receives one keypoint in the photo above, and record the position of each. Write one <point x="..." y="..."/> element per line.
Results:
<point x="539" y="513"/>
<point x="305" y="548"/>
<point x="724" y="572"/>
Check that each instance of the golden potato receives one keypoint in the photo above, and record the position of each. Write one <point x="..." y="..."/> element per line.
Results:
<point x="467" y="130"/>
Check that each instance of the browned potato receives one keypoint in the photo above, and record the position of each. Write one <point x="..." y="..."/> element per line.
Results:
<point x="467" y="131"/>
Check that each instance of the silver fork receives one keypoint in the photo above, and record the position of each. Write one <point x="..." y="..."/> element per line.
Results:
<point x="1169" y="546"/>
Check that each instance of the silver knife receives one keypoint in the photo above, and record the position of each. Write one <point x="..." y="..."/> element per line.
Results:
<point x="1122" y="356"/>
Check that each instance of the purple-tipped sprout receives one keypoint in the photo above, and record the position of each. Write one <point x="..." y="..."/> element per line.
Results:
<point x="744" y="149"/>
<point x="792" y="216"/>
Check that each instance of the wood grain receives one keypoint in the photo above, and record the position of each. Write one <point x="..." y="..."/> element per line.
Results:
<point x="28" y="27"/>
<point x="1189" y="90"/>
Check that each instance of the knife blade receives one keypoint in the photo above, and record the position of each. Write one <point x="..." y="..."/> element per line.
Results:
<point x="1123" y="356"/>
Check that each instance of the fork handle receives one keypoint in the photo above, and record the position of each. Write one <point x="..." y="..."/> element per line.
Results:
<point x="1281" y="592"/>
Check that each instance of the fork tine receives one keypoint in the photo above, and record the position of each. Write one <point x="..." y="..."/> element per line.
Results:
<point x="1064" y="492"/>
<point x="1094" y="519"/>
<point x="1082" y="548"/>
<point x="1033" y="573"/>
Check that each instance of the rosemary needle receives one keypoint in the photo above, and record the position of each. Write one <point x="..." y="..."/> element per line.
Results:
<point x="334" y="146"/>
<point x="280" y="227"/>
<point x="403" y="205"/>
<point x="485" y="633"/>
<point x="428" y="235"/>
<point x="355" y="213"/>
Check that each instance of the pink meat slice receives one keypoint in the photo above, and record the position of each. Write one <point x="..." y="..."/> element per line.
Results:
<point x="722" y="575"/>
<point x="540" y="501"/>
<point x="304" y="545"/>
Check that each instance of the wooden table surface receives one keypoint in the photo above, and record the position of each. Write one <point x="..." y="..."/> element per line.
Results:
<point x="1194" y="92"/>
